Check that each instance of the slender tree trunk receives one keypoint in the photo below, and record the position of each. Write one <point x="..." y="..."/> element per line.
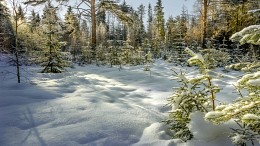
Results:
<point x="16" y="52"/>
<point x="50" y="47"/>
<point x="237" y="19"/>
<point x="204" y="33"/>
<point x="212" y="94"/>
<point x="94" y="28"/>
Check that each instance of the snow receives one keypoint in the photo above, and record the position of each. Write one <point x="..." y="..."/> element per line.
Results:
<point x="189" y="51"/>
<point x="101" y="106"/>
<point x="182" y="78"/>
<point x="246" y="34"/>
<point x="199" y="57"/>
<point x="239" y="138"/>
<point x="206" y="131"/>
<point x="251" y="117"/>
<point x="254" y="11"/>
<point x="251" y="79"/>
<point x="195" y="56"/>
<point x="213" y="114"/>
<point x="249" y="29"/>
<point x="255" y="82"/>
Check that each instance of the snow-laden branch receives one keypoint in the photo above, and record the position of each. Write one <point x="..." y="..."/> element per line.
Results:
<point x="250" y="34"/>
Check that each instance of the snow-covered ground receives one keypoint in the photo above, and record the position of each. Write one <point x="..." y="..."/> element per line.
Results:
<point x="99" y="106"/>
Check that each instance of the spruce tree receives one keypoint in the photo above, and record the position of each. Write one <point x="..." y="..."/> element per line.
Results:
<point x="53" y="59"/>
<point x="244" y="111"/>
<point x="159" y="30"/>
<point x="126" y="9"/>
<point x="5" y="28"/>
<point x="249" y="35"/>
<point x="171" y="29"/>
<point x="72" y="28"/>
<point x="32" y="20"/>
<point x="85" y="41"/>
<point x="141" y="29"/>
<point x="20" y="12"/>
<point x="149" y="23"/>
<point x="159" y="20"/>
<point x="195" y="94"/>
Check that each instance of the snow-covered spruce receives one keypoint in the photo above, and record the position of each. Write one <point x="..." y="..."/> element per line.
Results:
<point x="148" y="60"/>
<point x="244" y="110"/>
<point x="215" y="58"/>
<point x="245" y="66"/>
<point x="193" y="95"/>
<point x="52" y="59"/>
<point x="250" y="81"/>
<point x="188" y="98"/>
<point x="250" y="34"/>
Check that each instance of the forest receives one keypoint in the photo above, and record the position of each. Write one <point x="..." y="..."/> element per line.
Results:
<point x="103" y="72"/>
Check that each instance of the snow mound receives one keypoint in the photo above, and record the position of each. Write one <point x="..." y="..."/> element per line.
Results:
<point x="155" y="135"/>
<point x="204" y="130"/>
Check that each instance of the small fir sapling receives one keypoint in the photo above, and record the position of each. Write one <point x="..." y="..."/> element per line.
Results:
<point x="148" y="61"/>
<point x="186" y="99"/>
<point x="197" y="59"/>
<point x="113" y="53"/>
<point x="109" y="56"/>
<point x="244" y="66"/>
<point x="87" y="53"/>
<point x="245" y="111"/>
<point x="195" y="94"/>
<point x="215" y="58"/>
<point x="54" y="61"/>
<point x="126" y="55"/>
<point x="249" y="35"/>
<point x="137" y="56"/>
<point x="101" y="54"/>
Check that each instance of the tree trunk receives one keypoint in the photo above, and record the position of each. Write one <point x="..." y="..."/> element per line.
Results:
<point x="94" y="28"/>
<point x="16" y="51"/>
<point x="204" y="33"/>
<point x="237" y="19"/>
<point x="50" y="48"/>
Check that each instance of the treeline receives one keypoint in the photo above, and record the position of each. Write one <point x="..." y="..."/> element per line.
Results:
<point x="109" y="32"/>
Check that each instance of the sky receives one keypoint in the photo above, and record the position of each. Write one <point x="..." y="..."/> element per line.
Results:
<point x="171" y="7"/>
